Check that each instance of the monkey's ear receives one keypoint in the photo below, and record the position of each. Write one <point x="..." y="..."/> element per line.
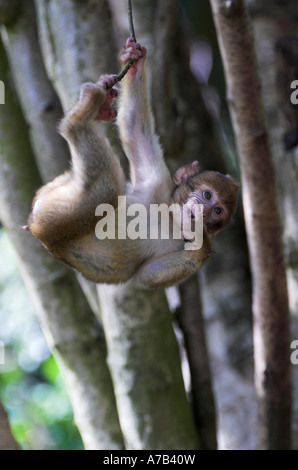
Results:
<point x="236" y="185"/>
<point x="186" y="171"/>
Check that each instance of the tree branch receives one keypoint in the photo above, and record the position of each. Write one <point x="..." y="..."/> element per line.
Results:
<point x="39" y="102"/>
<point x="270" y="301"/>
<point x="191" y="321"/>
<point x="65" y="316"/>
<point x="7" y="441"/>
<point x="144" y="359"/>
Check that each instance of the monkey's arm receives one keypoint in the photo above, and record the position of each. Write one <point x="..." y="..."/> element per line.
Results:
<point x="136" y="122"/>
<point x="174" y="267"/>
<point x="64" y="210"/>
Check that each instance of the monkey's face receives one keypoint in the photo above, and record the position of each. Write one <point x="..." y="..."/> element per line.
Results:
<point x="216" y="192"/>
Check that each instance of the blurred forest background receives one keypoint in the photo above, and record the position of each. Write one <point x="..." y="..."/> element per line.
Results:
<point x="57" y="388"/>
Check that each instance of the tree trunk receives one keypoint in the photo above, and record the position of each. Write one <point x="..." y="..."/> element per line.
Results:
<point x="67" y="321"/>
<point x="7" y="441"/>
<point x="270" y="302"/>
<point x="75" y="49"/>
<point x="145" y="365"/>
<point x="191" y="320"/>
<point x="39" y="102"/>
<point x="276" y="27"/>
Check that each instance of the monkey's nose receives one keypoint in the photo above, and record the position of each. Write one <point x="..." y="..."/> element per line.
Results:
<point x="206" y="213"/>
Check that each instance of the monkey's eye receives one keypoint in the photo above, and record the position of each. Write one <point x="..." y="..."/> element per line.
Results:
<point x="217" y="210"/>
<point x="207" y="195"/>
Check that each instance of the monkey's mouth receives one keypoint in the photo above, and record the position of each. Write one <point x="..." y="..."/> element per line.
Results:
<point x="194" y="215"/>
<point x="195" y="211"/>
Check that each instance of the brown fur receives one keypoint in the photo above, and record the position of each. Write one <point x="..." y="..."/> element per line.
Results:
<point x="63" y="211"/>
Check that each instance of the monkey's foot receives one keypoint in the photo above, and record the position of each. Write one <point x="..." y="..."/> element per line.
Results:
<point x="98" y="97"/>
<point x="106" y="113"/>
<point x="185" y="172"/>
<point x="133" y="50"/>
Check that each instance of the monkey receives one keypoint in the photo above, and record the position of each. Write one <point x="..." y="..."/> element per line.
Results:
<point x="217" y="193"/>
<point x="63" y="215"/>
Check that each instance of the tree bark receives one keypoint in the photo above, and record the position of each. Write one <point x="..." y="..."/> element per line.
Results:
<point x="270" y="301"/>
<point x="75" y="49"/>
<point x="7" y="441"/>
<point x="191" y="320"/>
<point x="275" y="27"/>
<point x="39" y="102"/>
<point x="70" y="328"/>
<point x="145" y="365"/>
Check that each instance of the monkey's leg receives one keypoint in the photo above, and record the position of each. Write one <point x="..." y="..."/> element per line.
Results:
<point x="64" y="210"/>
<point x="136" y="122"/>
<point x="174" y="267"/>
<point x="93" y="161"/>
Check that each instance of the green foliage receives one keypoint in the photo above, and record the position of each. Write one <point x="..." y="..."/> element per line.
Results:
<point x="31" y="386"/>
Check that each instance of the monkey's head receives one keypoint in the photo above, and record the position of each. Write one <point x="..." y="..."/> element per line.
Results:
<point x="217" y="192"/>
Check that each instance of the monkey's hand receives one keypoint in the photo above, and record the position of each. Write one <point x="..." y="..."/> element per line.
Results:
<point x="106" y="113"/>
<point x="133" y="50"/>
<point x="185" y="172"/>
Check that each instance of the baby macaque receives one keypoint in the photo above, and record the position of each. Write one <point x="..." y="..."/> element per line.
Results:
<point x="65" y="214"/>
